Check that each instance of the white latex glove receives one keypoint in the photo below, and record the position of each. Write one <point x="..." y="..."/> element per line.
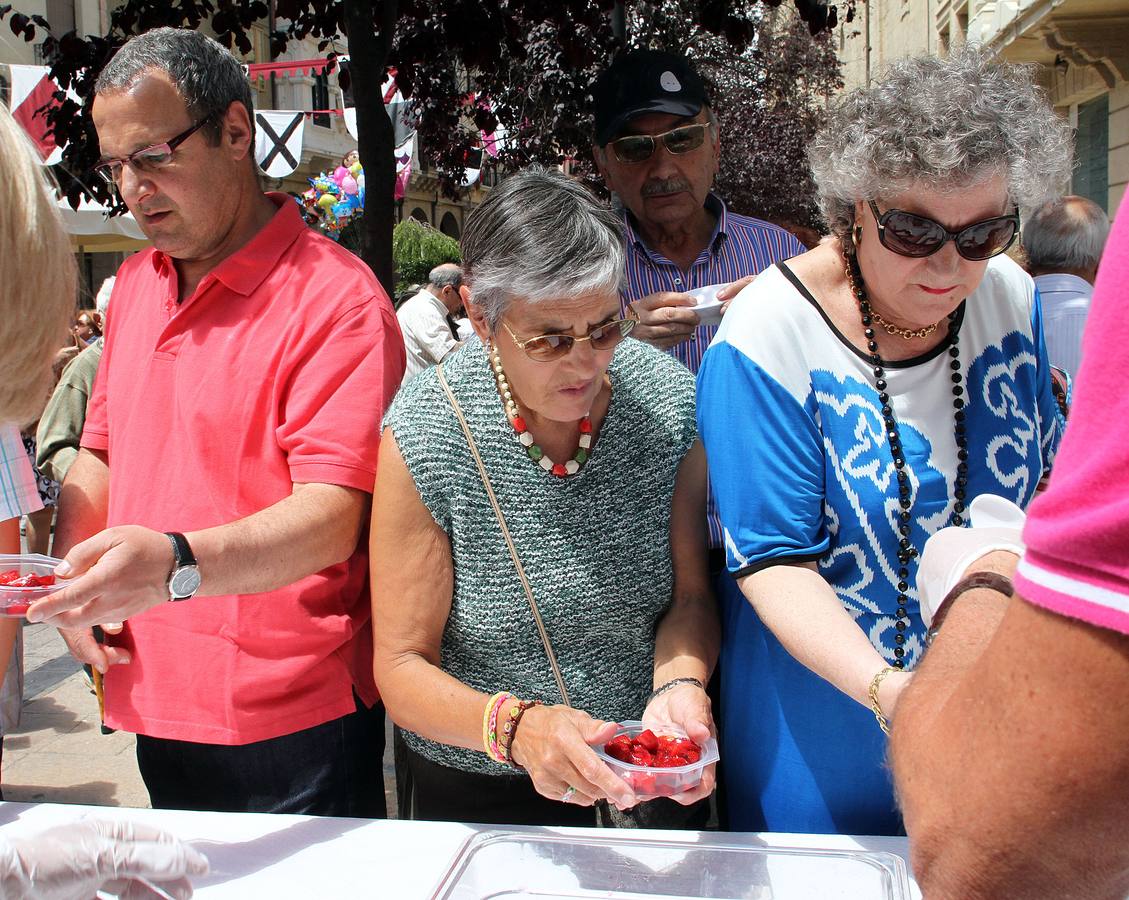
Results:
<point x="77" y="860"/>
<point x="994" y="524"/>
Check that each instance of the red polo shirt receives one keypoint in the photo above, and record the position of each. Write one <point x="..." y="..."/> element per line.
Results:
<point x="276" y="371"/>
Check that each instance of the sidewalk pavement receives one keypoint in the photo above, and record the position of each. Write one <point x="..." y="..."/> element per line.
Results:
<point x="58" y="753"/>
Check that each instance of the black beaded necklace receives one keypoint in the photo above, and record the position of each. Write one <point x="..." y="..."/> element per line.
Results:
<point x="906" y="551"/>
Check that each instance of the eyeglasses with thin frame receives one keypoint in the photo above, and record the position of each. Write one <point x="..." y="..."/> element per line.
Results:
<point x="909" y="234"/>
<point x="148" y="159"/>
<point x="637" y="148"/>
<point x="546" y="347"/>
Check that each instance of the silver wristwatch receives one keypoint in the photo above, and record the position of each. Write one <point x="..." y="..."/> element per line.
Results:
<point x="184" y="581"/>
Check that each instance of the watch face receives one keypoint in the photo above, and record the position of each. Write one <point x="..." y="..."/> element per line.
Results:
<point x="185" y="582"/>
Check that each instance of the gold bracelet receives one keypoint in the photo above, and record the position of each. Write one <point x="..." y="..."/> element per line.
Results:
<point x="875" y="706"/>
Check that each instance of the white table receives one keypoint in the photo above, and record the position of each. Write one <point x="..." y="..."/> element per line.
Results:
<point x="267" y="856"/>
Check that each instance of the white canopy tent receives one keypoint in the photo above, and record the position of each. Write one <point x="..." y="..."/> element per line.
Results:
<point x="92" y="230"/>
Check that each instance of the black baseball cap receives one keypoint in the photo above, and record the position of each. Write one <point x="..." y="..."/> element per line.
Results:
<point x="645" y="81"/>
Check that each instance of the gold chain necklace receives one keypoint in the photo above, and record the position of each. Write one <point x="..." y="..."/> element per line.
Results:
<point x="906" y="334"/>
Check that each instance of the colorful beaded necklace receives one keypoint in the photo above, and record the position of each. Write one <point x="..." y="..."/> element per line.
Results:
<point x="906" y="551"/>
<point x="525" y="437"/>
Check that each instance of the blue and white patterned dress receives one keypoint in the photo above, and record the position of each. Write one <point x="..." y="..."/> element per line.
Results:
<point x="802" y="471"/>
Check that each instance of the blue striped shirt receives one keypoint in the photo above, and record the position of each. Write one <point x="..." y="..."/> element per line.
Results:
<point x="739" y="246"/>
<point x="18" y="492"/>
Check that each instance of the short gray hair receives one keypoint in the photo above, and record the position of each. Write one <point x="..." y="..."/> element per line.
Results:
<point x="539" y="236"/>
<point x="1067" y="234"/>
<point x="206" y="76"/>
<point x="948" y="123"/>
<point x="445" y="274"/>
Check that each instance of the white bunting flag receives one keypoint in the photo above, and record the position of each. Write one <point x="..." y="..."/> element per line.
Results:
<point x="278" y="140"/>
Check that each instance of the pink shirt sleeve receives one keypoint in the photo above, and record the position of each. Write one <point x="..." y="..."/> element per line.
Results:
<point x="337" y="394"/>
<point x="1077" y="533"/>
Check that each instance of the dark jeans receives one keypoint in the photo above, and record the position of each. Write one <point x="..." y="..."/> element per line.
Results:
<point x="430" y="791"/>
<point x="333" y="769"/>
<point x="439" y="793"/>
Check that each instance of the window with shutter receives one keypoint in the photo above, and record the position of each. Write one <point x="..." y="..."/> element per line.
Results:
<point x="1091" y="177"/>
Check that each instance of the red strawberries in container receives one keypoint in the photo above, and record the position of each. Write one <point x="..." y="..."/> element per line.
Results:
<point x="649" y="749"/>
<point x="658" y="763"/>
<point x="25" y="578"/>
<point x="13" y="578"/>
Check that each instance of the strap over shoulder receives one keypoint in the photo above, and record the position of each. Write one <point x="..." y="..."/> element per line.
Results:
<point x="546" y="643"/>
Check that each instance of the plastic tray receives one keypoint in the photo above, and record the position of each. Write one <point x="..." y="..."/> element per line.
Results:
<point x="14" y="601"/>
<point x="649" y="782"/>
<point x="500" y="865"/>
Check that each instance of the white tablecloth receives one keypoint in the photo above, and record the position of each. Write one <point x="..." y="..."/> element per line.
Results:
<point x="264" y="856"/>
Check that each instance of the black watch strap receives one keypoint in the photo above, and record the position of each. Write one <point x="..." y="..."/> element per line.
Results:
<point x="182" y="553"/>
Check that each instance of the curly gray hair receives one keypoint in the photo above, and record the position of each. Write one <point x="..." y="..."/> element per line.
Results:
<point x="947" y="123"/>
<point x="539" y="236"/>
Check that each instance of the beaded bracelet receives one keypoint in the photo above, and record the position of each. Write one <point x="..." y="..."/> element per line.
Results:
<point x="486" y="720"/>
<point x="509" y="729"/>
<point x="490" y="725"/>
<point x="496" y="749"/>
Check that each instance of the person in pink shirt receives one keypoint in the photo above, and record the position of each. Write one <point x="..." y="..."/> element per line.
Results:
<point x="1011" y="748"/>
<point x="218" y="503"/>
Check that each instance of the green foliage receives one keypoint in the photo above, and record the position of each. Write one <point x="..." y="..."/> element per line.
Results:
<point x="418" y="248"/>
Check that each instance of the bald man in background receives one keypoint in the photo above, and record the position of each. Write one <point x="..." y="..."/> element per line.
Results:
<point x="1064" y="240"/>
<point x="427" y="320"/>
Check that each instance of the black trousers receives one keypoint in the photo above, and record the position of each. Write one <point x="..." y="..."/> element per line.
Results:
<point x="436" y="793"/>
<point x="332" y="769"/>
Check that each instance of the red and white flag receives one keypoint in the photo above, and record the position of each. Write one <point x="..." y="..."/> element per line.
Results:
<point x="403" y="167"/>
<point x="33" y="89"/>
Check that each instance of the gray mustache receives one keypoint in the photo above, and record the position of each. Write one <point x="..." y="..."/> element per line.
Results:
<point x="665" y="186"/>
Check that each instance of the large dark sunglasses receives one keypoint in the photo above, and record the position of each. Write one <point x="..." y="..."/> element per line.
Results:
<point x="148" y="159"/>
<point x="908" y="234"/>
<point x="637" y="148"/>
<point x="546" y="347"/>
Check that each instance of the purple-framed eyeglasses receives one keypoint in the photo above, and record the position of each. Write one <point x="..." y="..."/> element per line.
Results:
<point x="148" y="159"/>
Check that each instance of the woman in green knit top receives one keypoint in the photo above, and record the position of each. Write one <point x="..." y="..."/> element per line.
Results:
<point x="589" y="444"/>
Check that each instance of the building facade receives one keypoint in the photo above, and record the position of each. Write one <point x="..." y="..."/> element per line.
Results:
<point x="1080" y="48"/>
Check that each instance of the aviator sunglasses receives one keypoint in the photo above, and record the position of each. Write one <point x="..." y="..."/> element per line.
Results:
<point x="637" y="148"/>
<point x="546" y="347"/>
<point x="908" y="234"/>
<point x="147" y="159"/>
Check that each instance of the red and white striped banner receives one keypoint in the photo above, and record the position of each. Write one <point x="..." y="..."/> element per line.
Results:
<point x="33" y="89"/>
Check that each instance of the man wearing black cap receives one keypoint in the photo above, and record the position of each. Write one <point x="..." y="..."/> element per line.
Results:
<point x="657" y="147"/>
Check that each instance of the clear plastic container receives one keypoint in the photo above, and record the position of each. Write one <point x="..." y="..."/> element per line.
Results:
<point x="649" y="782"/>
<point x="14" y="601"/>
<point x="503" y="865"/>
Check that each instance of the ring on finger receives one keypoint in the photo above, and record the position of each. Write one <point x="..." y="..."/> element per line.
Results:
<point x="568" y="795"/>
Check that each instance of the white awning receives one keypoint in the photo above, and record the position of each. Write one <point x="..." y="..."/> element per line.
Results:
<point x="91" y="229"/>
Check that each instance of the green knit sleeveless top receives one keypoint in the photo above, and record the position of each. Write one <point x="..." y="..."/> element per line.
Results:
<point x="595" y="545"/>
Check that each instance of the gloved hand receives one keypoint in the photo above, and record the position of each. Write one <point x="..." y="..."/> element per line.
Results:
<point x="994" y="524"/>
<point x="75" y="861"/>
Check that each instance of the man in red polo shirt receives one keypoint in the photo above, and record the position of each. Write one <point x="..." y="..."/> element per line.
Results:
<point x="227" y="462"/>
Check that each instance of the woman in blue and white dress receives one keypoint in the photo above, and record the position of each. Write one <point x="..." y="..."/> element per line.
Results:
<point x="854" y="401"/>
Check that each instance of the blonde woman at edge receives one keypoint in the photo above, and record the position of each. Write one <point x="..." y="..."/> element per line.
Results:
<point x="37" y="295"/>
